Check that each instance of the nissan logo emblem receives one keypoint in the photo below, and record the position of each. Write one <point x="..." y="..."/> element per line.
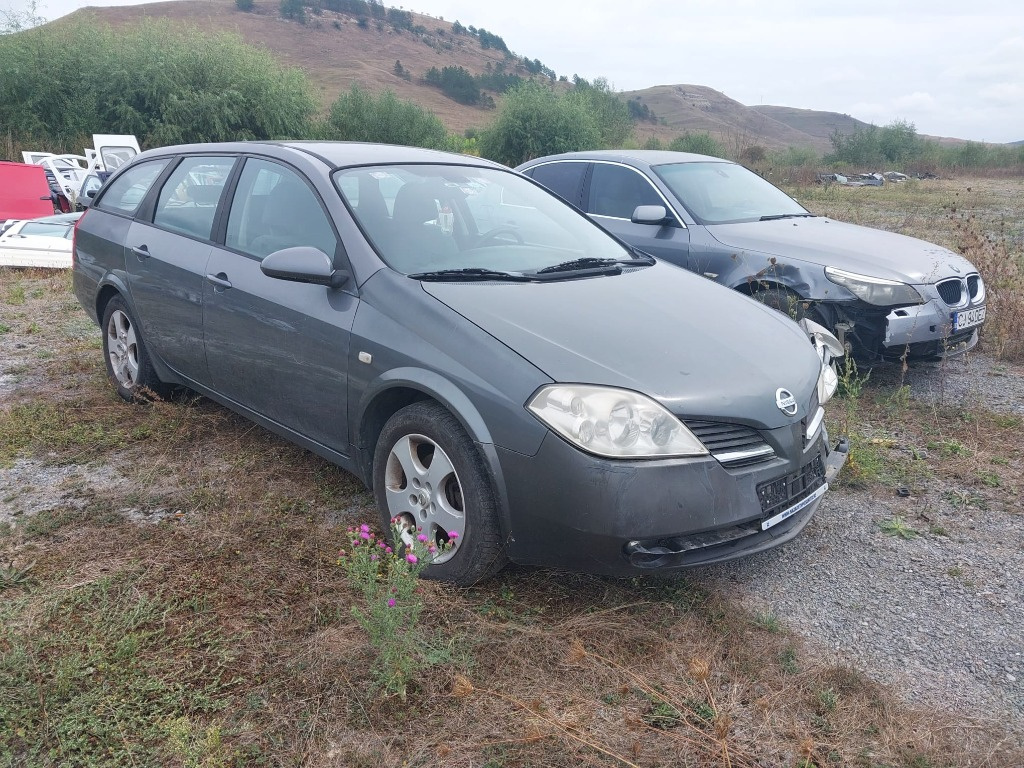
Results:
<point x="786" y="402"/>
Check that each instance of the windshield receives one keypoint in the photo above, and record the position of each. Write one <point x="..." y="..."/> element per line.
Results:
<point x="433" y="218"/>
<point x="723" y="193"/>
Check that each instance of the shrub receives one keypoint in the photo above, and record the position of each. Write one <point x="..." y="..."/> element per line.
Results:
<point x="360" y="116"/>
<point x="699" y="143"/>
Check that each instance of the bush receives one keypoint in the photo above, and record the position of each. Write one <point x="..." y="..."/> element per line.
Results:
<point x="699" y="143"/>
<point x="360" y="116"/>
<point x="245" y="5"/>
<point x="535" y="120"/>
<point x="165" y="83"/>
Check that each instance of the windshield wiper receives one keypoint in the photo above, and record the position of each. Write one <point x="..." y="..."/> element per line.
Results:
<point x="468" y="274"/>
<point x="598" y="266"/>
<point x="774" y="216"/>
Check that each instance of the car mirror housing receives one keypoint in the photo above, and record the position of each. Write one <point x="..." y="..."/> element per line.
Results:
<point x="650" y="214"/>
<point x="304" y="264"/>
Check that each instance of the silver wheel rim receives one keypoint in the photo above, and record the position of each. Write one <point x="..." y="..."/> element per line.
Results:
<point x="424" y="495"/>
<point x="123" y="349"/>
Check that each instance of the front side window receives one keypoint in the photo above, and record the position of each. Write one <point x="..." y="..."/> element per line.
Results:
<point x="126" y="192"/>
<point x="273" y="209"/>
<point x="723" y="193"/>
<point x="188" y="200"/>
<point x="429" y="218"/>
<point x="616" y="190"/>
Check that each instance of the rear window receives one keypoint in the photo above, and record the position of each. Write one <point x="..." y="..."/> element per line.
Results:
<point x="564" y="179"/>
<point x="126" y="192"/>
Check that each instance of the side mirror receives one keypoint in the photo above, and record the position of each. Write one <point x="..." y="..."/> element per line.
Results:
<point x="90" y="193"/>
<point x="304" y="264"/>
<point x="650" y="214"/>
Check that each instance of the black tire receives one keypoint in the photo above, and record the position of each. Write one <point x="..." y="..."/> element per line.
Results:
<point x="129" y="366"/>
<point x="449" y="488"/>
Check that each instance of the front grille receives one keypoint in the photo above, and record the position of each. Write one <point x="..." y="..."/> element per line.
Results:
<point x="777" y="495"/>
<point x="734" y="445"/>
<point x="974" y="286"/>
<point x="951" y="291"/>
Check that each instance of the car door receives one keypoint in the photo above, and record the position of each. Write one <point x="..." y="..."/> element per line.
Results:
<point x="35" y="244"/>
<point x="611" y="194"/>
<point x="166" y="256"/>
<point x="276" y="347"/>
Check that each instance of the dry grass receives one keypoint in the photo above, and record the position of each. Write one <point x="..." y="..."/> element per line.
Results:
<point x="219" y="633"/>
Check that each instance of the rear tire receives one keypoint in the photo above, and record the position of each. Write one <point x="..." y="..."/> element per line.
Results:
<point x="428" y="475"/>
<point x="129" y="366"/>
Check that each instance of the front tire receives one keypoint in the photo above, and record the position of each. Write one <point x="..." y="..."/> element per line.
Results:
<point x="129" y="366"/>
<point x="429" y="476"/>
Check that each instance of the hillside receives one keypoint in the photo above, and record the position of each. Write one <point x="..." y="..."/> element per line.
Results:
<point x="336" y="49"/>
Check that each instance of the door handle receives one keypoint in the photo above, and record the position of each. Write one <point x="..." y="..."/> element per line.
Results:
<point x="141" y="251"/>
<point x="220" y="280"/>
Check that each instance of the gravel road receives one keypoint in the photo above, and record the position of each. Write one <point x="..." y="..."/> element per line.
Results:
<point x="939" y="616"/>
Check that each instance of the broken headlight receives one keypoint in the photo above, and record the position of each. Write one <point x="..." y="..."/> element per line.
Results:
<point x="613" y="422"/>
<point x="874" y="290"/>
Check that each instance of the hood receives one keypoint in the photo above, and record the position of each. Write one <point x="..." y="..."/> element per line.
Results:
<point x="868" y="251"/>
<point x="700" y="349"/>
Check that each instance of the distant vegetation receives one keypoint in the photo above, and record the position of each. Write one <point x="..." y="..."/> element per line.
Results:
<point x="899" y="146"/>
<point x="160" y="81"/>
<point x="169" y="83"/>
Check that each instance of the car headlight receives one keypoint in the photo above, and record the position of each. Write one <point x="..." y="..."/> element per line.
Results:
<point x="828" y="383"/>
<point x="874" y="290"/>
<point x="612" y="422"/>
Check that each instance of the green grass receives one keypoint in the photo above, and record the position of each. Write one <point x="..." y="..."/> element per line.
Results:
<point x="106" y="673"/>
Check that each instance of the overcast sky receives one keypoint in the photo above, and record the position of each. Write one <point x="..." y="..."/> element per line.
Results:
<point x="951" y="68"/>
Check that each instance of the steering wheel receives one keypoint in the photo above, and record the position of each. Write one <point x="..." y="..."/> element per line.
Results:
<point x="498" y="232"/>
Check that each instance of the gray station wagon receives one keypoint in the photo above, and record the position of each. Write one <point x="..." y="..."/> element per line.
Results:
<point x="884" y="295"/>
<point x="507" y="377"/>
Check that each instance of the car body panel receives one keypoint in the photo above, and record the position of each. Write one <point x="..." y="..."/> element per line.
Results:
<point x="43" y="242"/>
<point x="637" y="315"/>
<point x="24" y="192"/>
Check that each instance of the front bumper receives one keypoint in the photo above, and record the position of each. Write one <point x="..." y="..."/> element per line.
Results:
<point x="925" y="330"/>
<point x="581" y="512"/>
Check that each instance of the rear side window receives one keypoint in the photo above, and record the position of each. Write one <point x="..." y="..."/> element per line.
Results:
<point x="126" y="192"/>
<point x="275" y="209"/>
<point x="616" y="191"/>
<point x="188" y="200"/>
<point x="564" y="179"/>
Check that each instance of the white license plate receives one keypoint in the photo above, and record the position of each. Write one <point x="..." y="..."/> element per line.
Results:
<point x="968" y="318"/>
<point x="788" y="513"/>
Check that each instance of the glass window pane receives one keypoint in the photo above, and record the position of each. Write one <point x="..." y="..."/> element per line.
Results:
<point x="188" y="200"/>
<point x="275" y="209"/>
<point x="126" y="192"/>
<point x="616" y="190"/>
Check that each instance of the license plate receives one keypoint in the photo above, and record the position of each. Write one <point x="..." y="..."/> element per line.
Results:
<point x="788" y="513"/>
<point x="968" y="318"/>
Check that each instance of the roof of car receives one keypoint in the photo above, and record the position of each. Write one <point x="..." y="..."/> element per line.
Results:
<point x="61" y="218"/>
<point x="643" y="156"/>
<point x="336" y="153"/>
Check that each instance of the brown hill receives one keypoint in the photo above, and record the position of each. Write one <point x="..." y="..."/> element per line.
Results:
<point x="335" y="51"/>
<point x="696" y="108"/>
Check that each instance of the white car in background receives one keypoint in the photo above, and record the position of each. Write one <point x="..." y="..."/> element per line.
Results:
<point x="44" y="242"/>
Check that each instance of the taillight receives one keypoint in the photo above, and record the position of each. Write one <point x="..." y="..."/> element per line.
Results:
<point x="74" y="239"/>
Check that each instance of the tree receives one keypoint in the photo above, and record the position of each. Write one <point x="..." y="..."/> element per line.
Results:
<point x="165" y="83"/>
<point x="611" y="114"/>
<point x="535" y="120"/>
<point x="245" y="5"/>
<point x="360" y="116"/>
<point x="12" y="21"/>
<point x="294" y="10"/>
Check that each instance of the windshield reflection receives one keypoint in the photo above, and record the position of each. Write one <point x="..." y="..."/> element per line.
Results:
<point x="428" y="218"/>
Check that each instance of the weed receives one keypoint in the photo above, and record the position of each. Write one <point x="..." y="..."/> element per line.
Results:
<point x="10" y="576"/>
<point x="787" y="659"/>
<point x="769" y="621"/>
<point x="897" y="526"/>
<point x="990" y="479"/>
<point x="388" y="583"/>
<point x="16" y="294"/>
<point x="949" y="448"/>
<point x="827" y="700"/>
